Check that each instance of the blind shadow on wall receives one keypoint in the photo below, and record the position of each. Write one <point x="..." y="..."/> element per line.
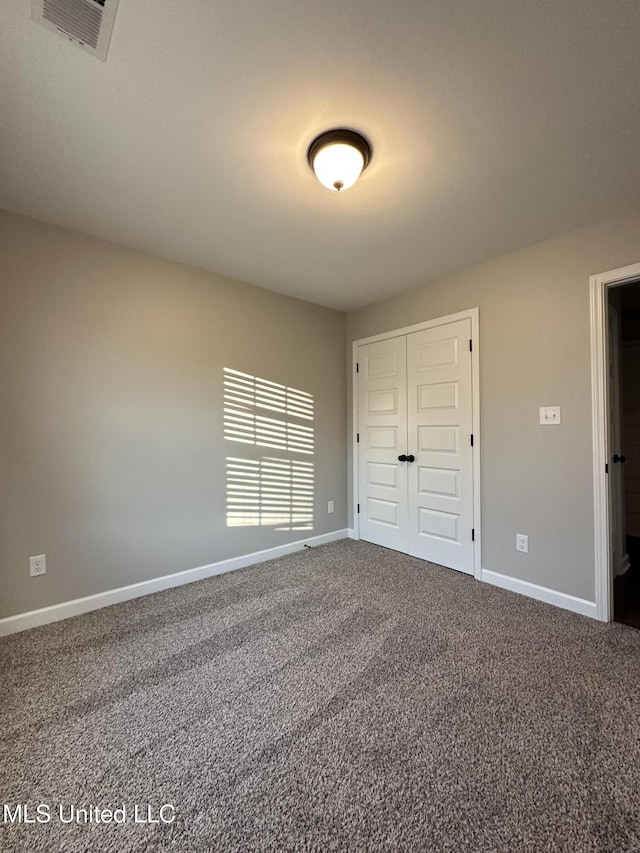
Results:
<point x="274" y="489"/>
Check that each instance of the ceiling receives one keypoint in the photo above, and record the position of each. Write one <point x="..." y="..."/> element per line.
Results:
<point x="494" y="125"/>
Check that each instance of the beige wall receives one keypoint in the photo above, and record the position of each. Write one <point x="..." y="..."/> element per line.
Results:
<point x="535" y="351"/>
<point x="112" y="456"/>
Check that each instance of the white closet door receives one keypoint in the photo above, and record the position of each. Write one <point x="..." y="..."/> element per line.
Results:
<point x="440" y="423"/>
<point x="382" y="425"/>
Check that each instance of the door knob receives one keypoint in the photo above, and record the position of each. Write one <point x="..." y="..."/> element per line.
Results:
<point x="621" y="459"/>
<point x="402" y="458"/>
<point x="411" y="458"/>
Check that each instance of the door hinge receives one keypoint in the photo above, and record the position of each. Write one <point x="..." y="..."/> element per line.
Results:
<point x="606" y="468"/>
<point x="470" y="345"/>
<point x="357" y="438"/>
<point x="357" y="367"/>
<point x="358" y="509"/>
<point x="471" y="439"/>
<point x="473" y="534"/>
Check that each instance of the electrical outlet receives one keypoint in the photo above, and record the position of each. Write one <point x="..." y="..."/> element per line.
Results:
<point x="37" y="566"/>
<point x="522" y="543"/>
<point x="330" y="506"/>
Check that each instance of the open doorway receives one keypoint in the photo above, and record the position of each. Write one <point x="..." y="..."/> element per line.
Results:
<point x="624" y="358"/>
<point x="609" y="308"/>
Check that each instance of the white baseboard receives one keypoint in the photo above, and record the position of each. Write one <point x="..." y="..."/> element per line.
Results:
<point x="541" y="593"/>
<point x="351" y="533"/>
<point x="34" y="618"/>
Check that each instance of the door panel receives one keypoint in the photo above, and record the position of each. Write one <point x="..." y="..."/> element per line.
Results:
<point x="442" y="439"/>
<point x="439" y="481"/>
<point x="440" y="422"/>
<point x="383" y="474"/>
<point x="382" y="424"/>
<point x="438" y="525"/>
<point x="441" y="396"/>
<point x="380" y="402"/>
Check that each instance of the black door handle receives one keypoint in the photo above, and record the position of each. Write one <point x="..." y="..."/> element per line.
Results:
<point x="621" y="459"/>
<point x="402" y="458"/>
<point x="411" y="458"/>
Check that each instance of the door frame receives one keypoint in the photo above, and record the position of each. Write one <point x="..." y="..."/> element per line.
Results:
<point x="470" y="314"/>
<point x="600" y="390"/>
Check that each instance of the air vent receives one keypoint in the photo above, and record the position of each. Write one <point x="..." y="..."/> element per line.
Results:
<point x="87" y="23"/>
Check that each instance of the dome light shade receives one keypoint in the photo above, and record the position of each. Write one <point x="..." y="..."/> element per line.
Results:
<point x="338" y="157"/>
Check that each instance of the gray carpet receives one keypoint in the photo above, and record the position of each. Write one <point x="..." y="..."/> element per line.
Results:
<point x="344" y="698"/>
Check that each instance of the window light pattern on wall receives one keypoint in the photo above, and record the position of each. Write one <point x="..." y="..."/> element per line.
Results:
<point x="278" y="489"/>
<point x="270" y="491"/>
<point x="246" y="396"/>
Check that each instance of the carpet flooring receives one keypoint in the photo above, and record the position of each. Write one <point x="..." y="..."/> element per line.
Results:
<point x="346" y="698"/>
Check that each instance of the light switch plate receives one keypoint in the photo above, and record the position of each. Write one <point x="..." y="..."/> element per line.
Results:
<point x="550" y="415"/>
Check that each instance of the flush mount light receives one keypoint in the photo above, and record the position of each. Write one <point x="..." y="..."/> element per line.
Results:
<point x="338" y="157"/>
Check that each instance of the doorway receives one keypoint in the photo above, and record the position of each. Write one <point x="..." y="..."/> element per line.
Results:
<point x="615" y="352"/>
<point x="624" y="338"/>
<point x="416" y="448"/>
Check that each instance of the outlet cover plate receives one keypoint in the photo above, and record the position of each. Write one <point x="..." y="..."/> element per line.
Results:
<point x="522" y="543"/>
<point x="330" y="506"/>
<point x="37" y="566"/>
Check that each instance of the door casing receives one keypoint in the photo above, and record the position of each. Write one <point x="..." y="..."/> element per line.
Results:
<point x="473" y="315"/>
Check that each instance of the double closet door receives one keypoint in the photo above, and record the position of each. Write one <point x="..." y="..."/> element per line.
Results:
<point x="415" y="444"/>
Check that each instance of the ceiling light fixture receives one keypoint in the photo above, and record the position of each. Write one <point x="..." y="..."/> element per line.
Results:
<point x="338" y="157"/>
